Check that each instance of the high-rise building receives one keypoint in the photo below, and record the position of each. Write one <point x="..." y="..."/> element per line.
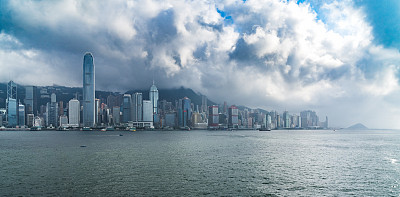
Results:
<point x="286" y="119"/>
<point x="309" y="119"/>
<point x="21" y="115"/>
<point x="52" y="112"/>
<point x="278" y="121"/>
<point x="326" y="122"/>
<point x="269" y="121"/>
<point x="170" y="119"/>
<point x="186" y="112"/>
<point x="137" y="107"/>
<point x="126" y="108"/>
<point x="74" y="112"/>
<point x="29" y="120"/>
<point x="116" y="115"/>
<point x="97" y="112"/>
<point x="63" y="120"/>
<point x="11" y="107"/>
<point x="213" y="117"/>
<point x="233" y="117"/>
<point x="31" y="100"/>
<point x="147" y="111"/>
<point x="88" y="91"/>
<point x="204" y="107"/>
<point x="225" y="108"/>
<point x="153" y="95"/>
<point x="295" y="123"/>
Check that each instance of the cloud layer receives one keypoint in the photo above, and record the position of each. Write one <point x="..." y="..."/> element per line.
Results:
<point x="261" y="53"/>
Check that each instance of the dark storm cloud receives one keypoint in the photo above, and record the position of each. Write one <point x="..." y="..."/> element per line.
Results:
<point x="258" y="53"/>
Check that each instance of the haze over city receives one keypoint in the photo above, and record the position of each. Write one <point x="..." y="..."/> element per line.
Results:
<point x="339" y="58"/>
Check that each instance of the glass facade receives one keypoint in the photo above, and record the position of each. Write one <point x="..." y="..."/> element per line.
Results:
<point x="153" y="95"/>
<point x="126" y="108"/>
<point x="21" y="115"/>
<point x="137" y="109"/>
<point x="12" y="112"/>
<point x="88" y="91"/>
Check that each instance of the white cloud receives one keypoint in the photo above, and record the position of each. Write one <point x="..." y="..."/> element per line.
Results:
<point x="274" y="54"/>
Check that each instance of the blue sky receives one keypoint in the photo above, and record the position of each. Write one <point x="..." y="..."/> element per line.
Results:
<point x="384" y="17"/>
<point x="340" y="58"/>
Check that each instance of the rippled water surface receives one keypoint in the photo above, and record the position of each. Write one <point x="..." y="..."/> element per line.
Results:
<point x="193" y="163"/>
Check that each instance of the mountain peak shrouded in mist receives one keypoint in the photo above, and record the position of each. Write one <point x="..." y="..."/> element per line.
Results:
<point x="358" y="126"/>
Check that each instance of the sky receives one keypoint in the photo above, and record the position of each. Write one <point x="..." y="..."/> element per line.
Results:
<point x="339" y="58"/>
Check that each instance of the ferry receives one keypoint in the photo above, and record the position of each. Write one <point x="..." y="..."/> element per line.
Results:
<point x="264" y="129"/>
<point x="86" y="129"/>
<point x="132" y="129"/>
<point x="110" y="129"/>
<point x="35" y="128"/>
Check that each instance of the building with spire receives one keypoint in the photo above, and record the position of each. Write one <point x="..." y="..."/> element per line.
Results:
<point x="153" y="95"/>
<point x="88" y="101"/>
<point x="11" y="107"/>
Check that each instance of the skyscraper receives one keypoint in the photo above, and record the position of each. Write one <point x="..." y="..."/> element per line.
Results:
<point x="286" y="119"/>
<point x="31" y="100"/>
<point x="204" y="107"/>
<point x="88" y="91"/>
<point x="116" y="115"/>
<point x="147" y="111"/>
<point x="186" y="112"/>
<point x="233" y="117"/>
<point x="52" y="112"/>
<point x="73" y="112"/>
<point x="11" y="106"/>
<point x="309" y="119"/>
<point x="97" y="119"/>
<point x="153" y="95"/>
<point x="137" y="108"/>
<point x="213" y="117"/>
<point x="21" y="115"/>
<point x="126" y="108"/>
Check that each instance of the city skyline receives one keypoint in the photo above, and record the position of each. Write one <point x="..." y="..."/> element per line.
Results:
<point x="340" y="58"/>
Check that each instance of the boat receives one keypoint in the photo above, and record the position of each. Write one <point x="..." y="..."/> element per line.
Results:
<point x="86" y="129"/>
<point x="62" y="129"/>
<point x="264" y="129"/>
<point x="35" y="128"/>
<point x="110" y="129"/>
<point x="132" y="129"/>
<point x="104" y="129"/>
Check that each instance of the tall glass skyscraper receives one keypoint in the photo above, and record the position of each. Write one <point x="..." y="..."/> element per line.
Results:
<point x="126" y="108"/>
<point x="21" y="115"/>
<point x="31" y="100"/>
<point x="147" y="111"/>
<point x="137" y="109"/>
<point x="12" y="116"/>
<point x="88" y="91"/>
<point x="153" y="95"/>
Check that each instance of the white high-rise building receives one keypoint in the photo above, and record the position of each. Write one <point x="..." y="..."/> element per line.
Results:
<point x="153" y="95"/>
<point x="74" y="112"/>
<point x="147" y="111"/>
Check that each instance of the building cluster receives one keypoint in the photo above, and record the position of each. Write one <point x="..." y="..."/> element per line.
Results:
<point x="131" y="110"/>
